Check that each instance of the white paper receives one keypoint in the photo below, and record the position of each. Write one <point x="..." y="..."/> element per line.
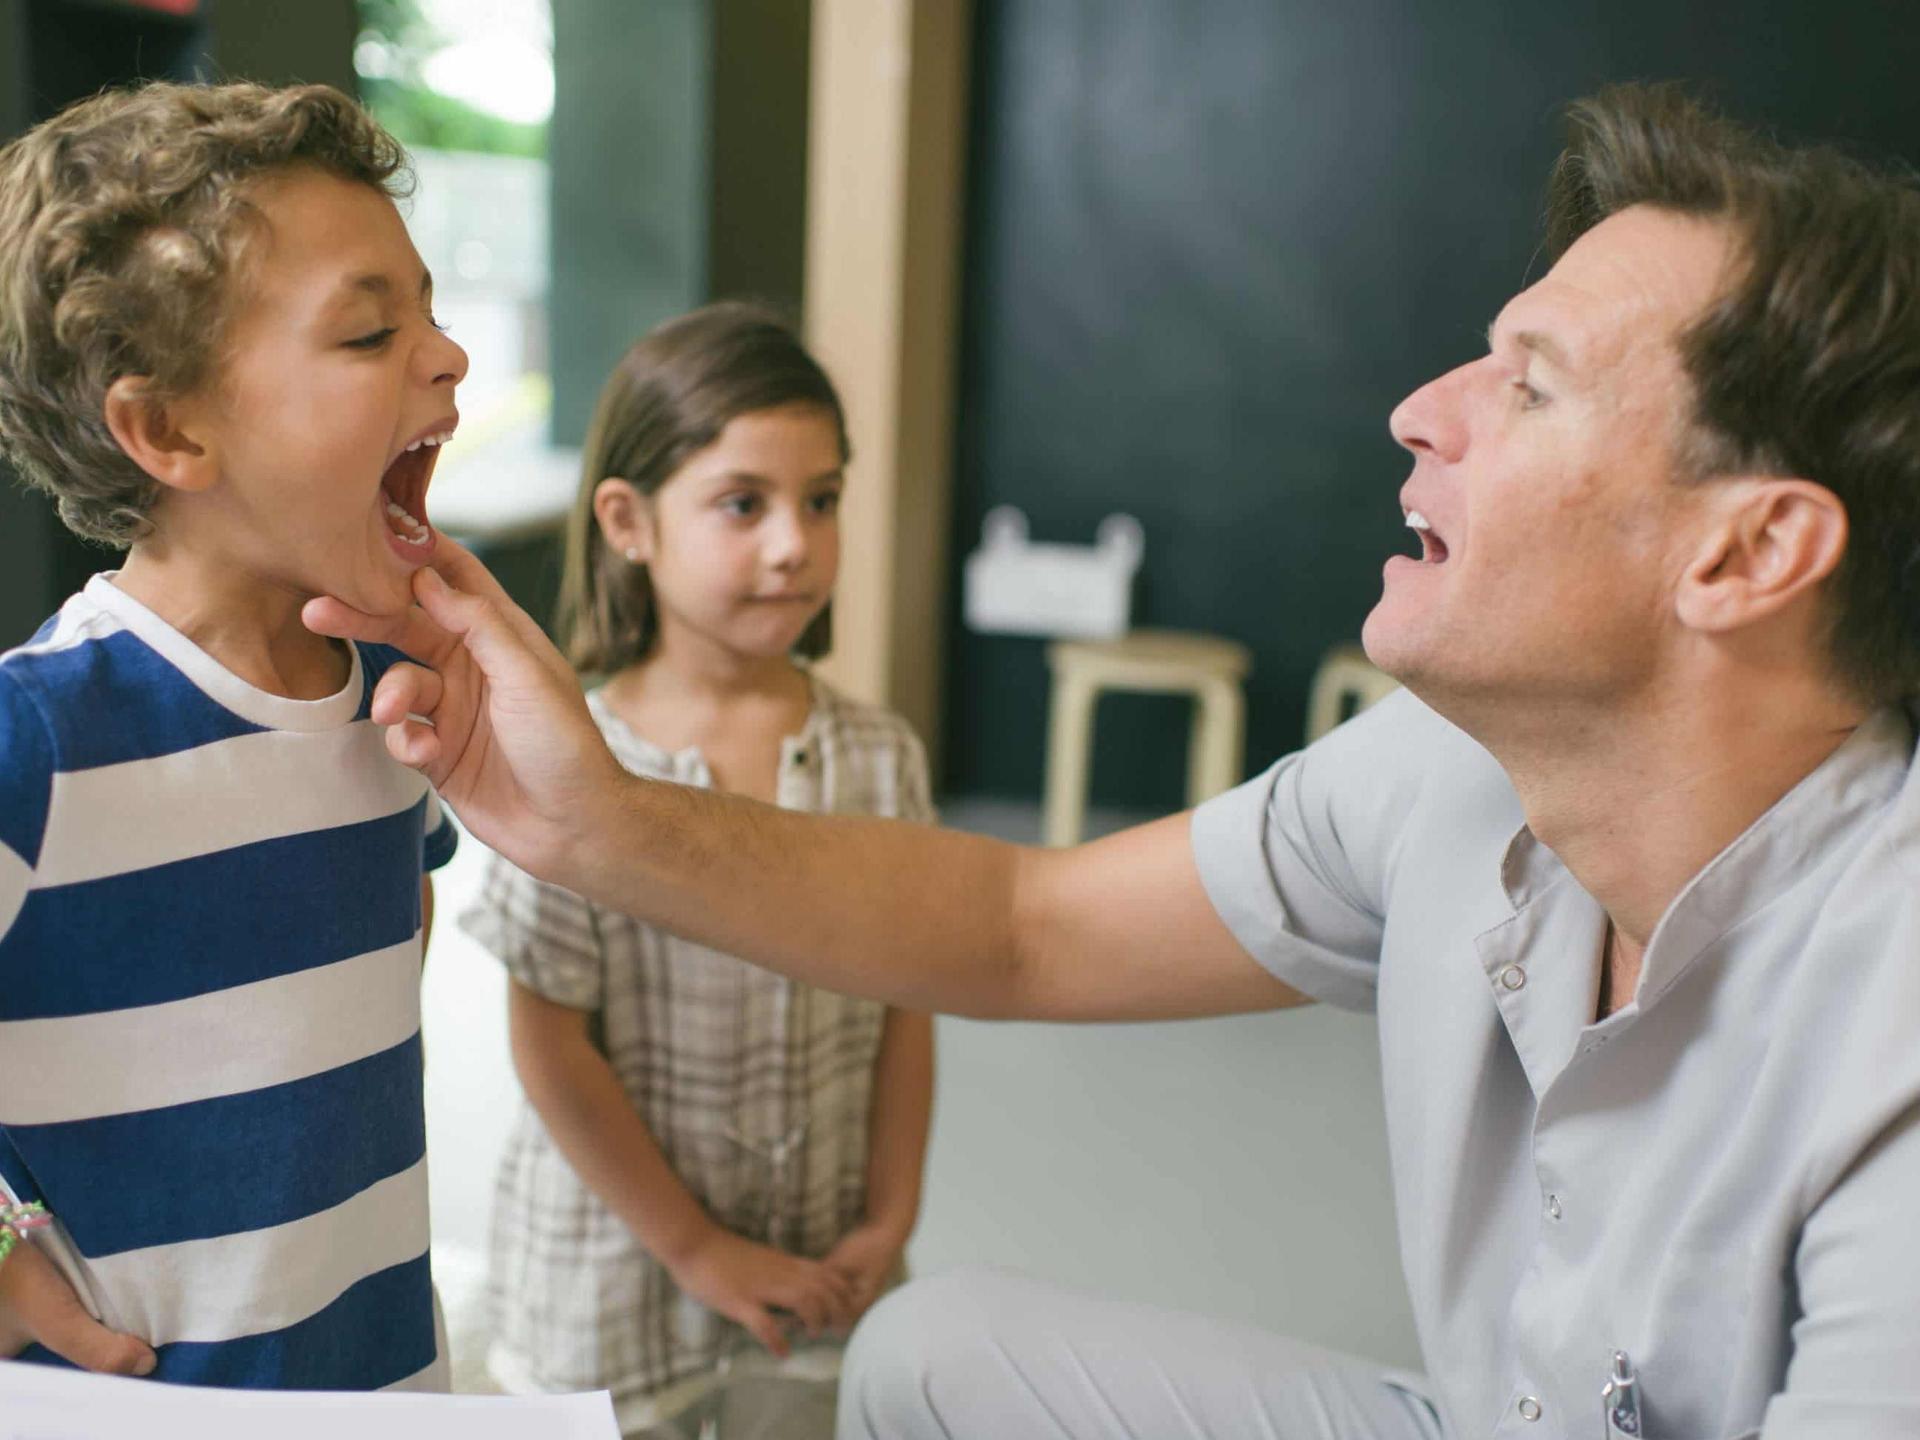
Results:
<point x="39" y="1402"/>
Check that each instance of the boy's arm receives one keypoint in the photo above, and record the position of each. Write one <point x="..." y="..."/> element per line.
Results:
<point x="37" y="1304"/>
<point x="584" y="1108"/>
<point x="902" y="1114"/>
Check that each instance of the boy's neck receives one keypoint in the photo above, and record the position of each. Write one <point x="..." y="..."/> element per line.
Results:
<point x="248" y="625"/>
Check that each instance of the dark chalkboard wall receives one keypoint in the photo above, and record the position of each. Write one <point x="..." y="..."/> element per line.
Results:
<point x="1212" y="244"/>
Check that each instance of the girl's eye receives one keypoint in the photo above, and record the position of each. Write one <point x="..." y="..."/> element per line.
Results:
<point x="438" y="324"/>
<point x="827" y="503"/>
<point x="373" y="341"/>
<point x="740" y="506"/>
<point x="1530" y="398"/>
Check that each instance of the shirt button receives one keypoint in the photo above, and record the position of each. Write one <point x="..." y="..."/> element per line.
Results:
<point x="1529" y="1408"/>
<point x="1513" y="977"/>
<point x="1553" y="1206"/>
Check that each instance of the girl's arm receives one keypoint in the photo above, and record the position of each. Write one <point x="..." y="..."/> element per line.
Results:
<point x="902" y="1115"/>
<point x="896" y="1157"/>
<point x="585" y="1109"/>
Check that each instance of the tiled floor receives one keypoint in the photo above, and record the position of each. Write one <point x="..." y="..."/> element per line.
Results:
<point x="1233" y="1166"/>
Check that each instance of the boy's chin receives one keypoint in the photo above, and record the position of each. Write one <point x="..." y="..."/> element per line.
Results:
<point x="376" y="595"/>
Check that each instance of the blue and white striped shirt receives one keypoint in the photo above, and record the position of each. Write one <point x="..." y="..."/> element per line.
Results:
<point x="210" y="1063"/>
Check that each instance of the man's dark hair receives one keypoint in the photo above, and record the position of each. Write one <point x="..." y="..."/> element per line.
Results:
<point x="1808" y="365"/>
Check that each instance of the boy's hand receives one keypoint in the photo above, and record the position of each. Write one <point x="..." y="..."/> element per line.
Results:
<point x="745" y="1282"/>
<point x="867" y="1257"/>
<point x="36" y="1303"/>
<point x="510" y="744"/>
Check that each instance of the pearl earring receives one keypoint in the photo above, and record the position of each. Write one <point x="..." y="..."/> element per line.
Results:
<point x="632" y="552"/>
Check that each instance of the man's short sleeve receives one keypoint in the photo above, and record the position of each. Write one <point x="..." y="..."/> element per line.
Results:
<point x="26" y="786"/>
<point x="1295" y="861"/>
<point x="547" y="937"/>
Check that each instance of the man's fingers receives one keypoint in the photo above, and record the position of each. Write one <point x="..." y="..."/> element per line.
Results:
<point x="417" y="746"/>
<point x="456" y="565"/>
<point x="410" y="631"/>
<point x="406" y="690"/>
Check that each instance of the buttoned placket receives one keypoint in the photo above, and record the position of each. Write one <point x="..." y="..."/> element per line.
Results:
<point x="1541" y="969"/>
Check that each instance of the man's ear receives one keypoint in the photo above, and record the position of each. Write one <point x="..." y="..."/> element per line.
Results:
<point x="1771" y="545"/>
<point x="625" y="518"/>
<point x="156" y="435"/>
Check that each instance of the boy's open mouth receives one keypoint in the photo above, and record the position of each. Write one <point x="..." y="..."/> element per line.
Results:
<point x="403" y="491"/>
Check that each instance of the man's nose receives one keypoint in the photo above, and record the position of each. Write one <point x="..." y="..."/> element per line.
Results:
<point x="1433" y="419"/>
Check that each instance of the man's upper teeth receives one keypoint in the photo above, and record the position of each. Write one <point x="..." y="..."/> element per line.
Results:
<point x="440" y="439"/>
<point x="1418" y="521"/>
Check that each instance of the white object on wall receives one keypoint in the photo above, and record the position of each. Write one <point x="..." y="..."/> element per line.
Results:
<point x="1015" y="587"/>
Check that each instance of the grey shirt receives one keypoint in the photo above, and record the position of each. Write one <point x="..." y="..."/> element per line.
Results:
<point x="1721" y="1179"/>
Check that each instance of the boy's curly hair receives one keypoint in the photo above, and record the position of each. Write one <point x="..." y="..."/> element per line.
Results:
<point x="123" y="221"/>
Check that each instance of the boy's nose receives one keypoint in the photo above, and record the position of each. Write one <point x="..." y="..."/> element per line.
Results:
<point x="449" y="361"/>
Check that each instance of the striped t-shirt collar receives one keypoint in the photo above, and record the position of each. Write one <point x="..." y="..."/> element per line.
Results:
<point x="249" y="702"/>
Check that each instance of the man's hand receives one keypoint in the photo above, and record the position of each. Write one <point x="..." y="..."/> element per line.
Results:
<point x="497" y="723"/>
<point x="867" y="1256"/>
<point x="746" y="1282"/>
<point x="37" y="1304"/>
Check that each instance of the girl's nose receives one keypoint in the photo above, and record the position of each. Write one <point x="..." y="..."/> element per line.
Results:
<point x="786" y="540"/>
<point x="1433" y="419"/>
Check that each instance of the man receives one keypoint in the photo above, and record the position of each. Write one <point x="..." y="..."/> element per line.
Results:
<point x="1633" y="884"/>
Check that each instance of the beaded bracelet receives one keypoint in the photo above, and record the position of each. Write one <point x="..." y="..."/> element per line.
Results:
<point x="15" y="1221"/>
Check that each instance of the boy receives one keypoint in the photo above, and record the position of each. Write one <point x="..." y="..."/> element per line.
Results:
<point x="217" y="351"/>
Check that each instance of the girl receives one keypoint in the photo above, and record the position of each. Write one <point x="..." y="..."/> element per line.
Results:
<point x="711" y="1155"/>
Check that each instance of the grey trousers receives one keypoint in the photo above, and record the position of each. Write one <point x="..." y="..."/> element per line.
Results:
<point x="989" y="1355"/>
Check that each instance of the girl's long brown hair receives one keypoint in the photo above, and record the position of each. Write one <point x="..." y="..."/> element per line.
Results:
<point x="669" y="397"/>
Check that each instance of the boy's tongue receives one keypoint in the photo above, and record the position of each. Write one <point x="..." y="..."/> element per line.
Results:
<point x="403" y="492"/>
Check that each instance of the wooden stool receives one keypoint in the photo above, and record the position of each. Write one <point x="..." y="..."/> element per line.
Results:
<point x="1158" y="661"/>
<point x="1346" y="678"/>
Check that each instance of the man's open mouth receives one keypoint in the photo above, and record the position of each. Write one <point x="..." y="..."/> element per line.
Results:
<point x="1433" y="550"/>
<point x="403" y="489"/>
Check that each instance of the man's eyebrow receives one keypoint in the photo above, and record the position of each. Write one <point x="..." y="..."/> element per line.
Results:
<point x="1539" y="343"/>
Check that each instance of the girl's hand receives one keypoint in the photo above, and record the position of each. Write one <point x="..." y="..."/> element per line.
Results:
<point x="37" y="1304"/>
<point x="867" y="1257"/>
<point x="746" y="1282"/>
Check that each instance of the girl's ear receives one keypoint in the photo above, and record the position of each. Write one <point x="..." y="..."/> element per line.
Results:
<point x="625" y="518"/>
<point x="162" y="439"/>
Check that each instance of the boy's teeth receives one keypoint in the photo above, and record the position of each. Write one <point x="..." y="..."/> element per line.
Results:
<point x="1417" y="521"/>
<point x="440" y="439"/>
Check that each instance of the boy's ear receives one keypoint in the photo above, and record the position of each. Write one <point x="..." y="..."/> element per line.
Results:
<point x="1773" y="542"/>
<point x="625" y="518"/>
<point x="151" y="433"/>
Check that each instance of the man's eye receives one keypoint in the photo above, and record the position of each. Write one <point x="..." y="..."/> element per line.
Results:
<point x="827" y="503"/>
<point x="371" y="341"/>
<point x="1530" y="398"/>
<point x="438" y="324"/>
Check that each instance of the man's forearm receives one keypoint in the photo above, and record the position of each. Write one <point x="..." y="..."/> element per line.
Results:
<point x="916" y="916"/>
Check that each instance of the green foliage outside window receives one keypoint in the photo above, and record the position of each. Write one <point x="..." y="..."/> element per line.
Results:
<point x="394" y="37"/>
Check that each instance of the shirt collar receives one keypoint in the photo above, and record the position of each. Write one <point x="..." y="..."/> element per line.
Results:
<point x="1862" y="775"/>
